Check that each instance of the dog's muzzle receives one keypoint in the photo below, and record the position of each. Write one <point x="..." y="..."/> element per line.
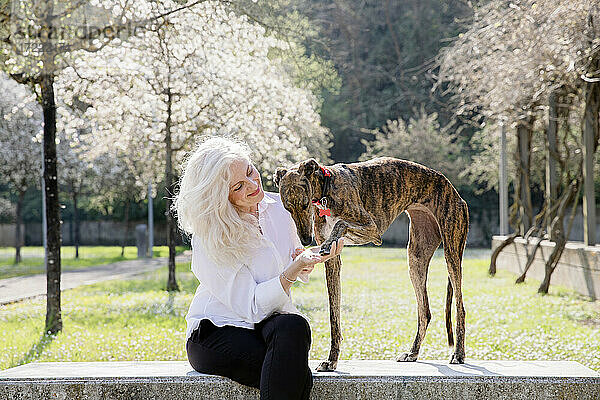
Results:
<point x="306" y="241"/>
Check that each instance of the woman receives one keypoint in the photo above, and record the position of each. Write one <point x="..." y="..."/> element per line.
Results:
<point x="245" y="252"/>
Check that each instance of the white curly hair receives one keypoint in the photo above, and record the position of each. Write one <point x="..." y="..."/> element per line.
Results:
<point x="202" y="202"/>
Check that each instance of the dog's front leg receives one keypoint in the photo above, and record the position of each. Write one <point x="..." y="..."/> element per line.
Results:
<point x="332" y="274"/>
<point x="337" y="232"/>
<point x="361" y="230"/>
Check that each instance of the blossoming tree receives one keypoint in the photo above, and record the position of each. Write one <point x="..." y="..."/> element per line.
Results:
<point x="36" y="41"/>
<point x="200" y="71"/>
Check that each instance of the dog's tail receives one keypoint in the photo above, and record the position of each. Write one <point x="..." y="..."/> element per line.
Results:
<point x="449" y="293"/>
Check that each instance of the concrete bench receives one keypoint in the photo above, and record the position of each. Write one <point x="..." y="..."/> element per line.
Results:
<point x="369" y="379"/>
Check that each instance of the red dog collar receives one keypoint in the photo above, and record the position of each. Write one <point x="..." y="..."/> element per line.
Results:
<point x="322" y="204"/>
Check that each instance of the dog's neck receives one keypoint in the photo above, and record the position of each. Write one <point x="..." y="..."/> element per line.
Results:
<point x="320" y="184"/>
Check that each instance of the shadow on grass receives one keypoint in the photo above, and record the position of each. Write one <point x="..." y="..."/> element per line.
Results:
<point x="170" y="304"/>
<point x="35" y="350"/>
<point x="566" y="293"/>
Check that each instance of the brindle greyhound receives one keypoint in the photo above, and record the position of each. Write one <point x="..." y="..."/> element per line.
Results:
<point x="359" y="201"/>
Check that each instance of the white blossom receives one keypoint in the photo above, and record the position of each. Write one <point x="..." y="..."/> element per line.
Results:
<point x="216" y="67"/>
<point x="20" y="125"/>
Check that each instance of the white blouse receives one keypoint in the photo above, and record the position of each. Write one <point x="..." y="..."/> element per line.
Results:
<point x="245" y="294"/>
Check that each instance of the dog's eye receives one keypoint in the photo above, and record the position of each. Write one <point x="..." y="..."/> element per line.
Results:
<point x="305" y="205"/>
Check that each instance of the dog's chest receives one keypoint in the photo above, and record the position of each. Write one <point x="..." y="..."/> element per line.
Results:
<point x="327" y="228"/>
<point x="328" y="225"/>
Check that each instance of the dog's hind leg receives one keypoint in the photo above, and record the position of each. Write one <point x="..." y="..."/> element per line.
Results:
<point x="455" y="228"/>
<point x="424" y="238"/>
<point x="332" y="275"/>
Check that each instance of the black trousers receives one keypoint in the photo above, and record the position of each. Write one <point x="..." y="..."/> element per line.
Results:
<point x="273" y="357"/>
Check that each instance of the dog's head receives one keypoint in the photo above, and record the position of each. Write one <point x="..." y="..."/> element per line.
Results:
<point x="296" y="190"/>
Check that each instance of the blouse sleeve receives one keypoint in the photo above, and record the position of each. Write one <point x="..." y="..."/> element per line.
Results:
<point x="235" y="287"/>
<point x="295" y="243"/>
<point x="293" y="232"/>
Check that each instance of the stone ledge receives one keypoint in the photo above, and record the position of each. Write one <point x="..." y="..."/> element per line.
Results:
<point x="368" y="379"/>
<point x="578" y="268"/>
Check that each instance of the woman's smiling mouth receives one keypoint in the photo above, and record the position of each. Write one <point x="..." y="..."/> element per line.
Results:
<point x="255" y="193"/>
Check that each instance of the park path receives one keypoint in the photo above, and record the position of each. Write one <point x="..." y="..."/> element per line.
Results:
<point x="24" y="287"/>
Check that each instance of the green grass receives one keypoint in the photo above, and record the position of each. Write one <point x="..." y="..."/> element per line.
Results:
<point x="33" y="258"/>
<point x="138" y="320"/>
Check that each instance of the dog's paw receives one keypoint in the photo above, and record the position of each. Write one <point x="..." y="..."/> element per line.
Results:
<point x="407" y="357"/>
<point x="327" y="366"/>
<point x="325" y="249"/>
<point x="457" y="359"/>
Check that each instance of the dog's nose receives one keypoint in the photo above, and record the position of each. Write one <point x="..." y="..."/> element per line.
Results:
<point x="306" y="241"/>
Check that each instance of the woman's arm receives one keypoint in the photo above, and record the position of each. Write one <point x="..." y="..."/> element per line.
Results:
<point x="301" y="262"/>
<point x="235" y="287"/>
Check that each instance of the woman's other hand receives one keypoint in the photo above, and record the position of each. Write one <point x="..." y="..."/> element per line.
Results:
<point x="300" y="268"/>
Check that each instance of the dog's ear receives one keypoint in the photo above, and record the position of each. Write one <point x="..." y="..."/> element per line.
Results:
<point x="279" y="173"/>
<point x="308" y="167"/>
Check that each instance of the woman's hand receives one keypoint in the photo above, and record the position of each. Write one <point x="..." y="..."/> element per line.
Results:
<point x="305" y="261"/>
<point x="297" y="251"/>
<point x="303" y="275"/>
<point x="302" y="265"/>
<point x="307" y="258"/>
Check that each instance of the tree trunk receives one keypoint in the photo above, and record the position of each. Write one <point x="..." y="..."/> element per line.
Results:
<point x="171" y="282"/>
<point x="524" y="151"/>
<point x="507" y="241"/>
<point x="19" y="225"/>
<point x="537" y="230"/>
<point x="530" y="259"/>
<point x="551" y="265"/>
<point x="126" y="217"/>
<point x="557" y="226"/>
<point x="514" y="222"/>
<point x="53" y="267"/>
<point x="392" y="32"/>
<point x="590" y="143"/>
<point x="76" y="223"/>
<point x="551" y="155"/>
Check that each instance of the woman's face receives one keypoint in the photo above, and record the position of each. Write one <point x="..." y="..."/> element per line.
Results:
<point x="245" y="187"/>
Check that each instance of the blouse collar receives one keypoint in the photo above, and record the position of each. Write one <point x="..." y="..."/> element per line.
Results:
<point x="264" y="203"/>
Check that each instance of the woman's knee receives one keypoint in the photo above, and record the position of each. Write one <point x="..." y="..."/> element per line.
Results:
<point x="292" y="326"/>
<point x="209" y="361"/>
